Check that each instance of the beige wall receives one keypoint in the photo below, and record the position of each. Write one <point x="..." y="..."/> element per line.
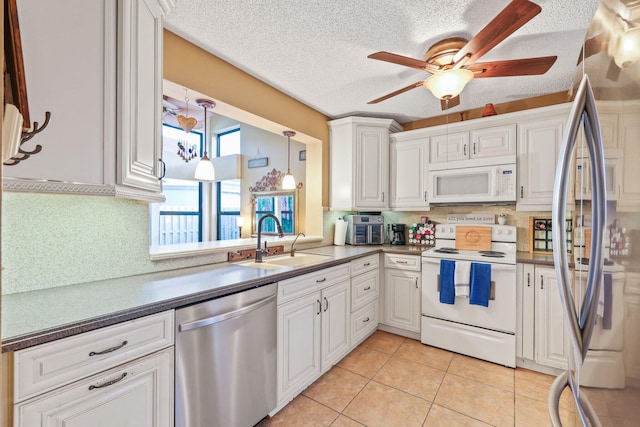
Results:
<point x="190" y="66"/>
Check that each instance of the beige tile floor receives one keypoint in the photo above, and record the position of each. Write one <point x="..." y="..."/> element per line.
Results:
<point x="390" y="380"/>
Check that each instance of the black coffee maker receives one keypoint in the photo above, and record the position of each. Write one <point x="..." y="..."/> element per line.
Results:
<point x="398" y="234"/>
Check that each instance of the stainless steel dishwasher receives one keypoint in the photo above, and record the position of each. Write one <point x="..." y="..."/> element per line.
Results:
<point x="225" y="366"/>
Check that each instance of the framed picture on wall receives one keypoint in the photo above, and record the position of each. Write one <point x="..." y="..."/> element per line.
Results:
<point x="258" y="162"/>
<point x="302" y="155"/>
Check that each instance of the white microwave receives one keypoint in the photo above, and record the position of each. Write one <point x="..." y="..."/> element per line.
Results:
<point x="481" y="184"/>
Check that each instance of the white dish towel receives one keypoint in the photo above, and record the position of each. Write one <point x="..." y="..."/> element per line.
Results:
<point x="461" y="278"/>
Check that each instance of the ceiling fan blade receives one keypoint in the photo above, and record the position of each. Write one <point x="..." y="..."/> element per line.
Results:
<point x="397" y="92"/>
<point x="404" y="60"/>
<point x="613" y="72"/>
<point x="514" y="16"/>
<point x="445" y="104"/>
<point x="513" y="67"/>
<point x="591" y="46"/>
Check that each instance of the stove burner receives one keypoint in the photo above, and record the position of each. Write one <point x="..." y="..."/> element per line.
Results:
<point x="446" y="250"/>
<point x="492" y="254"/>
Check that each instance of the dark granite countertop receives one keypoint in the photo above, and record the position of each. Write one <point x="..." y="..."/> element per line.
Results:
<point x="36" y="317"/>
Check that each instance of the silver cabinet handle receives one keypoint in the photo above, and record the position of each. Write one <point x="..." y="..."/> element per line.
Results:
<point x="366" y="264"/>
<point x="366" y="320"/>
<point x="367" y="288"/>
<point x="324" y="279"/>
<point x="383" y="196"/>
<point x="417" y="287"/>
<point x="541" y="282"/>
<point x="474" y="148"/>
<point x="522" y="191"/>
<point x="402" y="262"/>
<point x="425" y="196"/>
<point x="109" y="350"/>
<point x="108" y="383"/>
<point x="464" y="149"/>
<point x="528" y="279"/>
<point x="326" y="304"/>
<point x="319" y="307"/>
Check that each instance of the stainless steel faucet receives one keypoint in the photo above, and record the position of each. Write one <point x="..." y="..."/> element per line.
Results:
<point x="259" y="250"/>
<point x="293" y="250"/>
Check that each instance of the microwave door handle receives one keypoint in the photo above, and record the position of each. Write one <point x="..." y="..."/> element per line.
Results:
<point x="495" y="182"/>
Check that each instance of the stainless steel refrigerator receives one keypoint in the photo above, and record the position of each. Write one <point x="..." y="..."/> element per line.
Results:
<point x="603" y="138"/>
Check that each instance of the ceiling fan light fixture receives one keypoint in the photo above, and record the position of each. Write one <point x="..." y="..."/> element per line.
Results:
<point x="448" y="84"/>
<point x="627" y="50"/>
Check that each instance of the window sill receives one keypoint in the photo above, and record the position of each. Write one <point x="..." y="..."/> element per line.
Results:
<point x="157" y="253"/>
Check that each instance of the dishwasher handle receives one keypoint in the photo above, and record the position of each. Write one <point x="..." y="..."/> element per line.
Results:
<point x="224" y="316"/>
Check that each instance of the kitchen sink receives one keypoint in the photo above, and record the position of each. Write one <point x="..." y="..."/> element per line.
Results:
<point x="283" y="261"/>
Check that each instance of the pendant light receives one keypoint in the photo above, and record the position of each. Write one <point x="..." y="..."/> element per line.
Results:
<point x="288" y="182"/>
<point x="204" y="170"/>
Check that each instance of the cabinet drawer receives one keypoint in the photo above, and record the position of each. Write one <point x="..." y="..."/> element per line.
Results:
<point x="139" y="393"/>
<point x="47" y="366"/>
<point x="364" y="289"/>
<point x="364" y="322"/>
<point x="362" y="265"/>
<point x="402" y="262"/>
<point x="306" y="283"/>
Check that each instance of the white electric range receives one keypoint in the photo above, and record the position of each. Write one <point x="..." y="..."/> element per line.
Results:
<point x="486" y="333"/>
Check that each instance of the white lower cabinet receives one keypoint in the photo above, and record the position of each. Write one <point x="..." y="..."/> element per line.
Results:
<point x="313" y="329"/>
<point x="631" y="344"/>
<point x="402" y="292"/>
<point x="121" y="375"/>
<point x="543" y="336"/>
<point x="138" y="393"/>
<point x="365" y="290"/>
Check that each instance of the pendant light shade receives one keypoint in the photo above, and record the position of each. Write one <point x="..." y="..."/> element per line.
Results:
<point x="288" y="182"/>
<point x="205" y="170"/>
<point x="449" y="83"/>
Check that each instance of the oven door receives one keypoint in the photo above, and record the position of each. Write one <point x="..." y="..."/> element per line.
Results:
<point x="499" y="316"/>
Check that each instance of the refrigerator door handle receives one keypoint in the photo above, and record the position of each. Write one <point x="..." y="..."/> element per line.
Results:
<point x="580" y="325"/>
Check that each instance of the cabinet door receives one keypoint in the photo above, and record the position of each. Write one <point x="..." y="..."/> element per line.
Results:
<point x="298" y="344"/>
<point x="402" y="299"/>
<point x="493" y="142"/>
<point x="551" y="337"/>
<point x="372" y="165"/>
<point x="336" y="323"/>
<point x="525" y="311"/>
<point x="538" y="147"/>
<point x="449" y="147"/>
<point x="631" y="349"/>
<point x="139" y="393"/>
<point x="408" y="174"/>
<point x="140" y="94"/>
<point x="70" y="71"/>
<point x="630" y="186"/>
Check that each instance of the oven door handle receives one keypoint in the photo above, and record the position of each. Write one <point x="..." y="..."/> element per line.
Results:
<point x="494" y="267"/>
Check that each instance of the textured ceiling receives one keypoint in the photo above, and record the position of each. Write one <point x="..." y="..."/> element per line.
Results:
<point x="316" y="51"/>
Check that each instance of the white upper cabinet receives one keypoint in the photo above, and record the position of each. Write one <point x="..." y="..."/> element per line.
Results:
<point x="100" y="77"/>
<point x="359" y="150"/>
<point x="449" y="147"/>
<point x="629" y="198"/>
<point x="408" y="167"/>
<point x="484" y="143"/>
<point x="539" y="141"/>
<point x="139" y="136"/>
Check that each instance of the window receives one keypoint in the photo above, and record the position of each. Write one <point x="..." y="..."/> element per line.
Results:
<point x="228" y="191"/>
<point x="179" y="218"/>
